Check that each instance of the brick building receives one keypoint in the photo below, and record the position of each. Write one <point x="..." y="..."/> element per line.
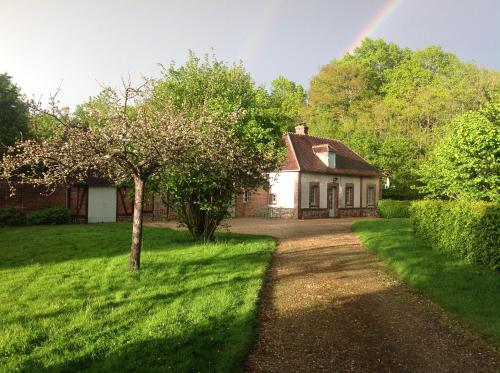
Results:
<point x="95" y="201"/>
<point x="320" y="178"/>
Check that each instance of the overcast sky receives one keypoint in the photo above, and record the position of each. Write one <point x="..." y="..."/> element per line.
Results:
<point x="83" y="42"/>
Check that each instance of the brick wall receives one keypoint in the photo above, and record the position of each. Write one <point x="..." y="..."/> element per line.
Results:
<point x="257" y="204"/>
<point x="314" y="213"/>
<point x="161" y="211"/>
<point x="358" y="212"/>
<point x="77" y="203"/>
<point x="29" y="198"/>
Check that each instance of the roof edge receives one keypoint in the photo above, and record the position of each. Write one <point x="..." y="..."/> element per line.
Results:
<point x="293" y="151"/>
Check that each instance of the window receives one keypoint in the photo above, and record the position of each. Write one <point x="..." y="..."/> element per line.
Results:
<point x="246" y="196"/>
<point x="272" y="198"/>
<point x="371" y="196"/>
<point x="314" y="195"/>
<point x="349" y="195"/>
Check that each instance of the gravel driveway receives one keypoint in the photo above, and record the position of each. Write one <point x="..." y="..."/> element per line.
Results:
<point x="330" y="305"/>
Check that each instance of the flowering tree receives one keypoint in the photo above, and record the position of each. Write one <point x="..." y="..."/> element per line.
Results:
<point x="134" y="138"/>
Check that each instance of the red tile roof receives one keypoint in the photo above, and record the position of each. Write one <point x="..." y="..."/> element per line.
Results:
<point x="301" y="156"/>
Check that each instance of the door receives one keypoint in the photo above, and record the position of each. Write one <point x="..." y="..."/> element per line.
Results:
<point x="102" y="205"/>
<point x="330" y="201"/>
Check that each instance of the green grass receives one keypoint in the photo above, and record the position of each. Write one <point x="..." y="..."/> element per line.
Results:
<point x="469" y="292"/>
<point x="69" y="303"/>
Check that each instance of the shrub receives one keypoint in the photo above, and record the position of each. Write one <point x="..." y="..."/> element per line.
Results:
<point x="388" y="208"/>
<point x="9" y="216"/>
<point x="464" y="229"/>
<point x="49" y="215"/>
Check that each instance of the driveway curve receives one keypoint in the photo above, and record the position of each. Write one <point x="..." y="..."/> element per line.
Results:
<point x="329" y="305"/>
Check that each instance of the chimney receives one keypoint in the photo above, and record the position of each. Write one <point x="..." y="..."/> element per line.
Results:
<point x="302" y="129"/>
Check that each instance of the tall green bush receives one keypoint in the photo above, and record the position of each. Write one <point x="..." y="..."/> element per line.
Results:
<point x="388" y="208"/>
<point x="9" y="216"/>
<point x="464" y="229"/>
<point x="48" y="216"/>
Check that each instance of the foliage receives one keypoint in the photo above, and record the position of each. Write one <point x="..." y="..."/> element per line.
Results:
<point x="9" y="216"/>
<point x="286" y="104"/>
<point x="48" y="216"/>
<point x="398" y="195"/>
<point x="14" y="114"/>
<point x="466" y="161"/>
<point x="469" y="292"/>
<point x="67" y="305"/>
<point x="391" y="104"/>
<point x="464" y="229"/>
<point x="201" y="196"/>
<point x="388" y="208"/>
<point x="133" y="138"/>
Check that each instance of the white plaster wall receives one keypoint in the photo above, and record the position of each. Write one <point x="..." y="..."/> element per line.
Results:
<point x="323" y="181"/>
<point x="366" y="182"/>
<point x="284" y="184"/>
<point x="328" y="158"/>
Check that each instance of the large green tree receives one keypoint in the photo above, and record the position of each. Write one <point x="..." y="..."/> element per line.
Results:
<point x="208" y="86"/>
<point x="392" y="104"/>
<point x="466" y="161"/>
<point x="14" y="113"/>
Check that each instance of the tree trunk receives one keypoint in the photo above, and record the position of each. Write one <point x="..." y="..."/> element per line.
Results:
<point x="135" y="249"/>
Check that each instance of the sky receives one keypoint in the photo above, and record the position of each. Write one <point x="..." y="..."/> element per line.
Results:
<point x="82" y="44"/>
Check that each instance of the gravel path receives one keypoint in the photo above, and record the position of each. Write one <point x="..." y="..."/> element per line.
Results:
<point x="329" y="305"/>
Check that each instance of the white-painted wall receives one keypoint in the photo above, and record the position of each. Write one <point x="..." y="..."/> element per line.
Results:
<point x="323" y="181"/>
<point x="328" y="158"/>
<point x="102" y="204"/>
<point x="369" y="181"/>
<point x="284" y="184"/>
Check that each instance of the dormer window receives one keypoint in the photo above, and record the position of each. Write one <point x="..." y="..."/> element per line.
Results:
<point x="326" y="154"/>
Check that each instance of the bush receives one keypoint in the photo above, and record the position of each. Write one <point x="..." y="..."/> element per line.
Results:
<point x="9" y="216"/>
<point x="400" y="195"/>
<point x="388" y="208"/>
<point x="49" y="215"/>
<point x="464" y="229"/>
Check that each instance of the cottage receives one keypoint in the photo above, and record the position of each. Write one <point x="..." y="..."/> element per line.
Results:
<point x="320" y="178"/>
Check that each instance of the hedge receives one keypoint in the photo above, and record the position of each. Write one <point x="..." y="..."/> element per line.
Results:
<point x="49" y="215"/>
<point x="465" y="229"/>
<point x="9" y="216"/>
<point x="388" y="208"/>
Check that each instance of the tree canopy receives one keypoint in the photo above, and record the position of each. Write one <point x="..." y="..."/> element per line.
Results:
<point x="466" y="162"/>
<point x="392" y="104"/>
<point x="14" y="114"/>
<point x="201" y="197"/>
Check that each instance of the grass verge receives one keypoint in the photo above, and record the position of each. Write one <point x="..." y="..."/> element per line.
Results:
<point x="469" y="292"/>
<point x="68" y="302"/>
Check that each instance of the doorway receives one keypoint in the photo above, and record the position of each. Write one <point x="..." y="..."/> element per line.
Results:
<point x="331" y="201"/>
<point x="102" y="204"/>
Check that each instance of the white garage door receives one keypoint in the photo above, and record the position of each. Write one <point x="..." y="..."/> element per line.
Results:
<point x="102" y="204"/>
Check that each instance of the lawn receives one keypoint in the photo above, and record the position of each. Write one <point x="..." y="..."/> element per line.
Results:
<point x="469" y="292"/>
<point x="68" y="301"/>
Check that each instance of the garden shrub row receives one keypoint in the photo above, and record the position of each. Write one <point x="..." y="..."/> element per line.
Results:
<point x="50" y="215"/>
<point x="465" y="229"/>
<point x="389" y="208"/>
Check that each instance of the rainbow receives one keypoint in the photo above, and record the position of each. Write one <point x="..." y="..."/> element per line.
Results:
<point x="263" y="27"/>
<point x="382" y="14"/>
